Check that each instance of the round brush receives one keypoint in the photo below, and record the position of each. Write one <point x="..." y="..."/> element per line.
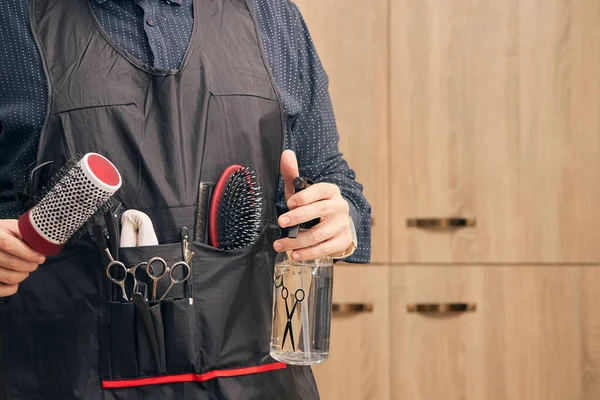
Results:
<point x="236" y="209"/>
<point x="76" y="194"/>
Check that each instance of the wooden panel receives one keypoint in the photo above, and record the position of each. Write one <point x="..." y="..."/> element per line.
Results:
<point x="522" y="343"/>
<point x="494" y="115"/>
<point x="358" y="367"/>
<point x="352" y="45"/>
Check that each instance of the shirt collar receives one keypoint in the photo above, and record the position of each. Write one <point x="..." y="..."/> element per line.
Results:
<point x="172" y="2"/>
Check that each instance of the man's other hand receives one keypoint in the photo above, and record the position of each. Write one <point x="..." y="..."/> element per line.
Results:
<point x="17" y="259"/>
<point x="333" y="235"/>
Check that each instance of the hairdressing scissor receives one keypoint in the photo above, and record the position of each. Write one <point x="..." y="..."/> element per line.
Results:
<point x="298" y="298"/>
<point x="164" y="269"/>
<point x="116" y="277"/>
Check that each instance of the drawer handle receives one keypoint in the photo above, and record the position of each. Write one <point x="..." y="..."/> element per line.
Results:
<point x="347" y="308"/>
<point x="441" y="223"/>
<point x="441" y="308"/>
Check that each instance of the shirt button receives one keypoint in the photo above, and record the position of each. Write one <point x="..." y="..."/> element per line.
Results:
<point x="150" y="21"/>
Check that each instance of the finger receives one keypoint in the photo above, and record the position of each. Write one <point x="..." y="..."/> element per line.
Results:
<point x="11" y="244"/>
<point x="8" y="290"/>
<point x="12" y="227"/>
<point x="319" y="233"/>
<point x="9" y="277"/>
<point x="289" y="171"/>
<point x="328" y="248"/>
<point x="317" y="192"/>
<point x="14" y="263"/>
<point x="320" y="209"/>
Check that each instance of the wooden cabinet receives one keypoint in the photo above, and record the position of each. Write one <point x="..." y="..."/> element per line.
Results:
<point x="358" y="367"/>
<point x="533" y="334"/>
<point x="487" y="111"/>
<point x="521" y="343"/>
<point x="495" y="116"/>
<point x="351" y="40"/>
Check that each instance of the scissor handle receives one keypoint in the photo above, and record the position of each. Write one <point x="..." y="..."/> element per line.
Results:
<point x="173" y="279"/>
<point x="298" y="299"/>
<point x="187" y="271"/>
<point x="110" y="275"/>
<point x="280" y="279"/>
<point x="150" y="269"/>
<point x="120" y="282"/>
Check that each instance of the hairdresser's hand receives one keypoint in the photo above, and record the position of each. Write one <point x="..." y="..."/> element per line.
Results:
<point x="333" y="235"/>
<point x="17" y="259"/>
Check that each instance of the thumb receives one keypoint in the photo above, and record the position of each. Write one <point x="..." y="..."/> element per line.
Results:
<point x="289" y="171"/>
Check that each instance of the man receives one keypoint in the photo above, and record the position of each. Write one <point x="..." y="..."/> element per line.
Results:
<point x="171" y="91"/>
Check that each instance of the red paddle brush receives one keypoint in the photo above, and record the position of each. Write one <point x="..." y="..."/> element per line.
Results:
<point x="235" y="209"/>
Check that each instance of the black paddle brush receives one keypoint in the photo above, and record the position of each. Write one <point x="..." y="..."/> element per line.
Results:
<point x="236" y="209"/>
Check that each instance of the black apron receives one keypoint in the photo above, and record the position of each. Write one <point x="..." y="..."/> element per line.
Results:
<point x="66" y="334"/>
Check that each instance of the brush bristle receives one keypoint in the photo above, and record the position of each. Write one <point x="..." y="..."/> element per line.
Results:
<point x="53" y="181"/>
<point x="240" y="210"/>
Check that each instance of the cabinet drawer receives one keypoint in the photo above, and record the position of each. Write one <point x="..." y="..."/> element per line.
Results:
<point x="358" y="367"/>
<point x="515" y="334"/>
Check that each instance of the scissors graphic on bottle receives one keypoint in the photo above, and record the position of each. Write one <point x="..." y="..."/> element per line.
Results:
<point x="298" y="298"/>
<point x="156" y="268"/>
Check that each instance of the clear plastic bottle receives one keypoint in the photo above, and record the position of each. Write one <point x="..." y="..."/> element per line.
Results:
<point x="301" y="324"/>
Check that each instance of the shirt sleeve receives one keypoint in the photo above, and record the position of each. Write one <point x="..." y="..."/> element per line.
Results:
<point x="313" y="135"/>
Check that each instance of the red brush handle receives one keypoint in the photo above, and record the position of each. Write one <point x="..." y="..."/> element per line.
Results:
<point x="35" y="238"/>
<point x="213" y="227"/>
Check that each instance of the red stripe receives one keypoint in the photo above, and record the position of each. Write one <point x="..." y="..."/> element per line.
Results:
<point x="192" y="377"/>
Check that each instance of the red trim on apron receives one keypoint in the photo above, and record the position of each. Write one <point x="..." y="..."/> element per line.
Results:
<point x="224" y="373"/>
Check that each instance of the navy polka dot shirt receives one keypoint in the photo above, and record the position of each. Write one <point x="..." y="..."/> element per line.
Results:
<point x="157" y="32"/>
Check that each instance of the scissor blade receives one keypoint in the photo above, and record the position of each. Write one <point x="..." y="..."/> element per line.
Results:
<point x="287" y="328"/>
<point x="287" y="310"/>
<point x="292" y="337"/>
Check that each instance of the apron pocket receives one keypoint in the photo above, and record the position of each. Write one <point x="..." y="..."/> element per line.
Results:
<point x="123" y="340"/>
<point x="180" y="338"/>
<point x="150" y="339"/>
<point x="157" y="321"/>
<point x="153" y="338"/>
<point x="234" y="299"/>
